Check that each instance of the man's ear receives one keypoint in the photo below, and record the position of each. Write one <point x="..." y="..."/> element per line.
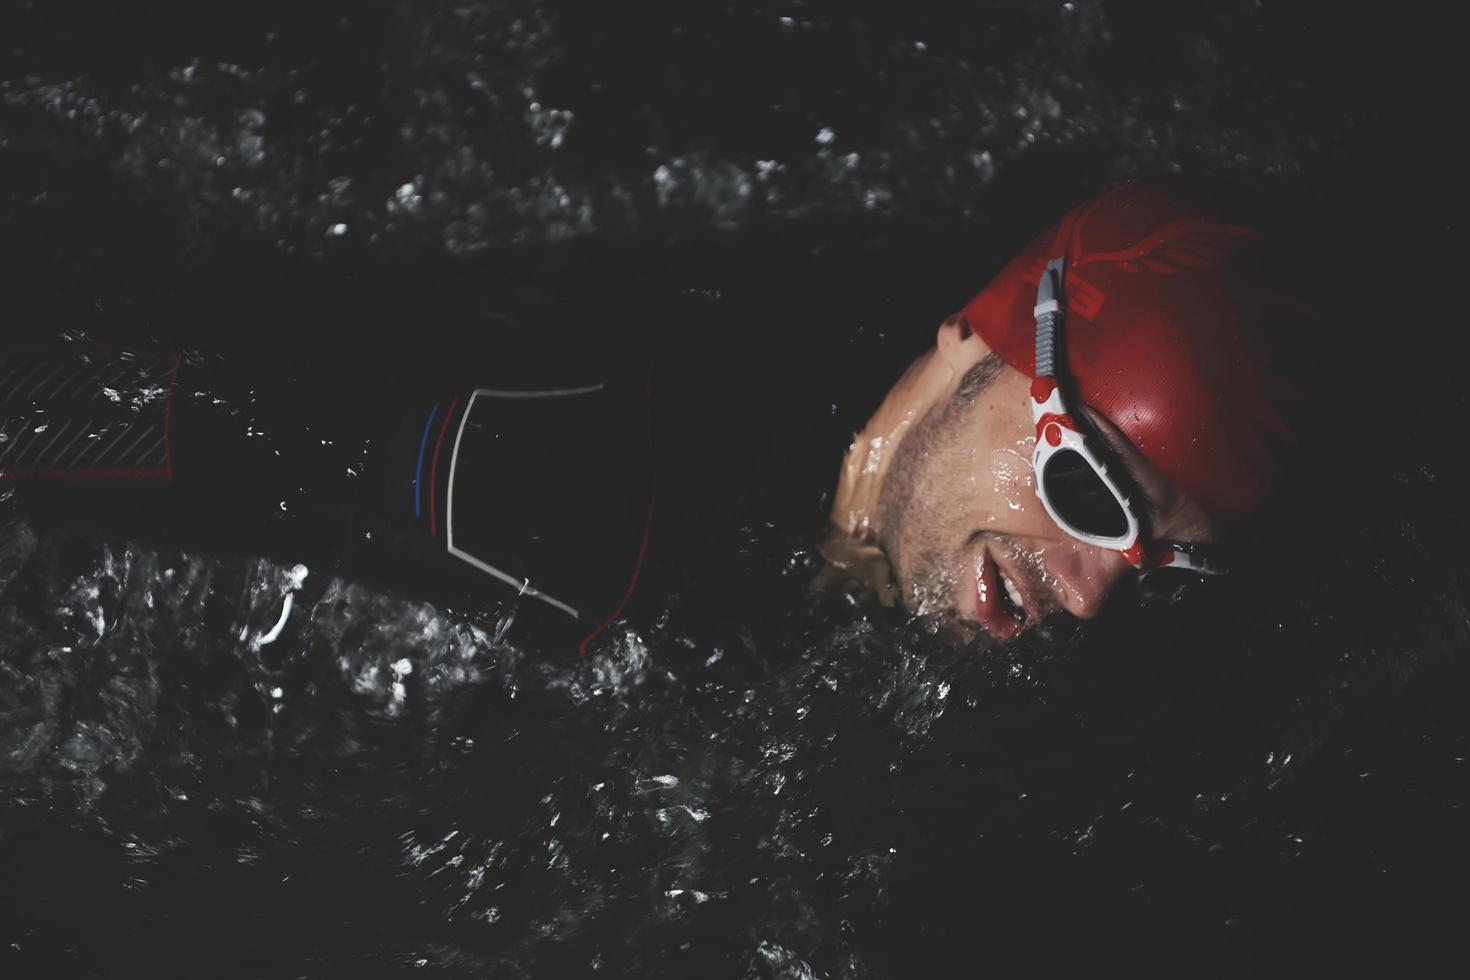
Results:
<point x="959" y="346"/>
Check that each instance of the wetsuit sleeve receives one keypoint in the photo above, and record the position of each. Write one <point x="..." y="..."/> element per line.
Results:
<point x="508" y="495"/>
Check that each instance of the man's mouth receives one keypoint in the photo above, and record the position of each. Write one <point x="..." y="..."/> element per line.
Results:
<point x="999" y="605"/>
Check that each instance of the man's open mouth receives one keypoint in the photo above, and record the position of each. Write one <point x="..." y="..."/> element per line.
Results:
<point x="999" y="605"/>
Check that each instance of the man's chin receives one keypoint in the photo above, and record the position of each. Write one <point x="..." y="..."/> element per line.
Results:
<point x="972" y="601"/>
<point x="964" y="629"/>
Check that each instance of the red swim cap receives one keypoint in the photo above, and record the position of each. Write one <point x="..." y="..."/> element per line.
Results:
<point x="1179" y="329"/>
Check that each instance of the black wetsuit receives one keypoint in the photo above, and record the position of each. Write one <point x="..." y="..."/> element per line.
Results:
<point x="535" y="486"/>
<point x="311" y="422"/>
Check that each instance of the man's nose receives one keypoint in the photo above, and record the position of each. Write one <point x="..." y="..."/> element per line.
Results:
<point x="1083" y="577"/>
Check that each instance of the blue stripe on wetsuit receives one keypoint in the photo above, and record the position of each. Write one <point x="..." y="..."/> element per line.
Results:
<point x="418" y="476"/>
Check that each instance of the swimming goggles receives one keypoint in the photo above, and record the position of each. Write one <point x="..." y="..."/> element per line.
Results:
<point x="1087" y="498"/>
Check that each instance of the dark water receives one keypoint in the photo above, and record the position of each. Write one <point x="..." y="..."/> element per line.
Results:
<point x="745" y="780"/>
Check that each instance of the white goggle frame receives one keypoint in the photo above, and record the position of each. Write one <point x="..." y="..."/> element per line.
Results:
<point x="1057" y="430"/>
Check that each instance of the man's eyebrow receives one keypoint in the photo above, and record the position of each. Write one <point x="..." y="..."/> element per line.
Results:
<point x="979" y="377"/>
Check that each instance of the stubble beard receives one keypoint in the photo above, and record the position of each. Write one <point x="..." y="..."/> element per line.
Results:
<point x="916" y="511"/>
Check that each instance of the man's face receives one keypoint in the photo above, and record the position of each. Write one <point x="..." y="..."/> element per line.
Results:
<point x="957" y="511"/>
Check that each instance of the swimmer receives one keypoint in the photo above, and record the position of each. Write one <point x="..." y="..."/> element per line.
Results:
<point x="1121" y="399"/>
<point x="990" y="483"/>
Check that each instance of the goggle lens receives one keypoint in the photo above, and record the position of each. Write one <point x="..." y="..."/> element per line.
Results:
<point x="1080" y="497"/>
<point x="1170" y="584"/>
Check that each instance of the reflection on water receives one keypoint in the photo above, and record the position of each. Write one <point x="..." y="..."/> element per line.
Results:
<point x="837" y="791"/>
